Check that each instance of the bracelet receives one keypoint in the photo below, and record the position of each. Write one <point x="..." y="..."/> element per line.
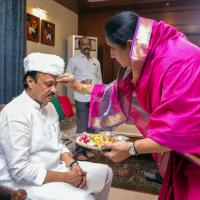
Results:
<point x="132" y="150"/>
<point x="72" y="163"/>
<point x="136" y="153"/>
<point x="83" y="90"/>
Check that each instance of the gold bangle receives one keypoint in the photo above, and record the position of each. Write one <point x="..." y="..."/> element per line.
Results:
<point x="83" y="90"/>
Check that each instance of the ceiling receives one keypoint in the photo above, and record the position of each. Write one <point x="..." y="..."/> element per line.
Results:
<point x="88" y="6"/>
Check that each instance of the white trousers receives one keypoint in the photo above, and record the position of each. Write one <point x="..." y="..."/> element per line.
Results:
<point x="99" y="179"/>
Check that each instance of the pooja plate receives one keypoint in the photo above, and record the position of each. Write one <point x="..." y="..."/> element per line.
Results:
<point x="116" y="136"/>
<point x="94" y="141"/>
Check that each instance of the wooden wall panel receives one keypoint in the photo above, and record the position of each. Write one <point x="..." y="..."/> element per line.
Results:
<point x="185" y="19"/>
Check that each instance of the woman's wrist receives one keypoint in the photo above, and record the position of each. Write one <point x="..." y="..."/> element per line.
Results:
<point x="84" y="88"/>
<point x="76" y="86"/>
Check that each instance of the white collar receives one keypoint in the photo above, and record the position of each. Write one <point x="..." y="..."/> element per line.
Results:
<point x="83" y="55"/>
<point x="34" y="103"/>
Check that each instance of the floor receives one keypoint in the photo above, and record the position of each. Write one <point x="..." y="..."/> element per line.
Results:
<point x="120" y="194"/>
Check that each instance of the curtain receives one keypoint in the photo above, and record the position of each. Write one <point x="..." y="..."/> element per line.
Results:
<point x="12" y="48"/>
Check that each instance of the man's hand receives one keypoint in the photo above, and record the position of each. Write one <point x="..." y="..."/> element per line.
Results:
<point x="118" y="151"/>
<point x="76" y="176"/>
<point x="78" y="169"/>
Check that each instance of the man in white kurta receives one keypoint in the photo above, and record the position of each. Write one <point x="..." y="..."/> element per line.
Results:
<point x="31" y="153"/>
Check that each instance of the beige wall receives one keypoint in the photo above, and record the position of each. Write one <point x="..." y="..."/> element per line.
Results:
<point x="66" y="24"/>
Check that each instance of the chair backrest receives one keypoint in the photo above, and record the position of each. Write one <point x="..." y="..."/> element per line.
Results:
<point x="66" y="105"/>
<point x="2" y="106"/>
<point x="7" y="193"/>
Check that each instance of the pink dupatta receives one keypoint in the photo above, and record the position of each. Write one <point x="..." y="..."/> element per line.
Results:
<point x="111" y="105"/>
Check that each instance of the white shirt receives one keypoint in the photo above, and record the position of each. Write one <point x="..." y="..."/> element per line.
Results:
<point x="84" y="69"/>
<point x="29" y="141"/>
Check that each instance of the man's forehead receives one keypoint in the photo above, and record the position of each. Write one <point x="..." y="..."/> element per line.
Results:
<point x="46" y="77"/>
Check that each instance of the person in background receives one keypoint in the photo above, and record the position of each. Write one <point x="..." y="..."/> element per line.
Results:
<point x="158" y="89"/>
<point x="87" y="70"/>
<point x="32" y="156"/>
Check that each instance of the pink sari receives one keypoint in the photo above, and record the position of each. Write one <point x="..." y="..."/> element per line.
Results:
<point x="168" y="95"/>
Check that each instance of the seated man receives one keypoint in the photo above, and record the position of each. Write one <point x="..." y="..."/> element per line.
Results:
<point x="31" y="154"/>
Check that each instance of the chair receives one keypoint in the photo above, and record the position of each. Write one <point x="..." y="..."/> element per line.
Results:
<point x="7" y="193"/>
<point x="2" y="106"/>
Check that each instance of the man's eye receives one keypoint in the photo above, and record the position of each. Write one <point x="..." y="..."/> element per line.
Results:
<point x="48" y="84"/>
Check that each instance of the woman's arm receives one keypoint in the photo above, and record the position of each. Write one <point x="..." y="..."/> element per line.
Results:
<point x="148" y="145"/>
<point x="68" y="80"/>
<point x="120" y="151"/>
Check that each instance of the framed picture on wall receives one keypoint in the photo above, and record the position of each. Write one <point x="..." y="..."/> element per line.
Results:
<point x="32" y="27"/>
<point x="94" y="44"/>
<point x="77" y="43"/>
<point x="47" y="33"/>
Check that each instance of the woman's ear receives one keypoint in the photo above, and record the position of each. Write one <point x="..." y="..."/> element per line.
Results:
<point x="129" y="43"/>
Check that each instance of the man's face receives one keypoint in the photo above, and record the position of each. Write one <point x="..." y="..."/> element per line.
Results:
<point x="43" y="88"/>
<point x="85" y="45"/>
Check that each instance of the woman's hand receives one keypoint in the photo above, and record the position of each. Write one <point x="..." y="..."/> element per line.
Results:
<point x="67" y="80"/>
<point x="118" y="151"/>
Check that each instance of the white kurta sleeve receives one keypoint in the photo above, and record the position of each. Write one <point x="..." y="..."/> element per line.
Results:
<point x="15" y="142"/>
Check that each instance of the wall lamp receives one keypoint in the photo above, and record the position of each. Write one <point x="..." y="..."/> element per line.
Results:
<point x="39" y="13"/>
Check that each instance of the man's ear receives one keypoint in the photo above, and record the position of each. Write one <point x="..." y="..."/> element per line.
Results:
<point x="30" y="81"/>
<point x="129" y="43"/>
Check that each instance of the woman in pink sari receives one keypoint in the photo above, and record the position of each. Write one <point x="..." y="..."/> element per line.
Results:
<point x="158" y="88"/>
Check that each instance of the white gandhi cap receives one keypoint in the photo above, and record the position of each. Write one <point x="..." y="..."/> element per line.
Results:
<point x="46" y="63"/>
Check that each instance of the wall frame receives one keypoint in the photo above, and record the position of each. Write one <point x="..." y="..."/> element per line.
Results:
<point x="32" y="27"/>
<point x="47" y="33"/>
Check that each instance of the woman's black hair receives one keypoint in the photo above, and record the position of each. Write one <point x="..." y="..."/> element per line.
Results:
<point x="121" y="27"/>
<point x="32" y="74"/>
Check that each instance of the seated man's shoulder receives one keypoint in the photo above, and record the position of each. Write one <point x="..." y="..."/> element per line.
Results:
<point x="13" y="105"/>
<point x="16" y="108"/>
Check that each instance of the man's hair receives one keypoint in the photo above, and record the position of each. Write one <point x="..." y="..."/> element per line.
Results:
<point x="32" y="74"/>
<point x="121" y="27"/>
<point x="79" y="41"/>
